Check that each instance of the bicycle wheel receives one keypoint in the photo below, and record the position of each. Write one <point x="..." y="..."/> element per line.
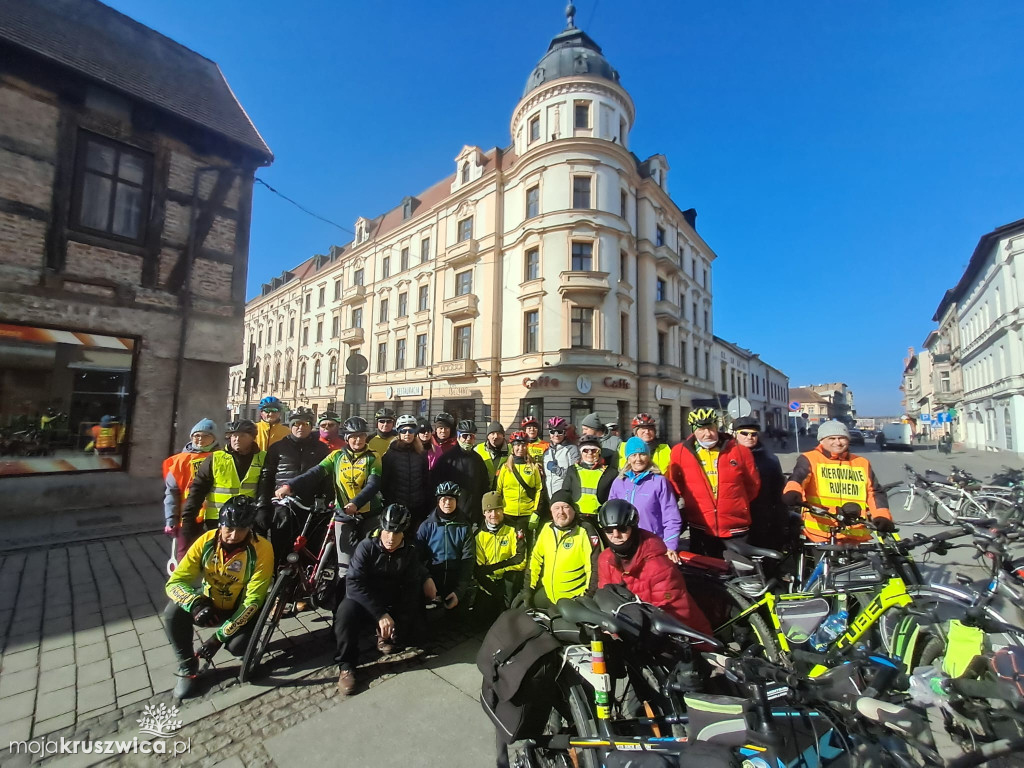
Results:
<point x="999" y="507"/>
<point x="278" y="598"/>
<point x="752" y="630"/>
<point x="572" y="716"/>
<point x="324" y="594"/>
<point x="909" y="508"/>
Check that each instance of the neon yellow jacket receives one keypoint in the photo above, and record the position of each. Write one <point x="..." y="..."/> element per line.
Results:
<point x="564" y="563"/>
<point x="518" y="502"/>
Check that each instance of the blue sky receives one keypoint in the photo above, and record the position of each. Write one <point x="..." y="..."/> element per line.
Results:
<point x="844" y="158"/>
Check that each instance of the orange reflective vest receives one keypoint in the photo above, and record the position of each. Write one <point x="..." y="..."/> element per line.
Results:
<point x="830" y="482"/>
<point x="183" y="466"/>
<point x="105" y="437"/>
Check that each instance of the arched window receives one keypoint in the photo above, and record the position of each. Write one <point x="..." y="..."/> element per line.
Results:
<point x="302" y="374"/>
<point x="316" y="373"/>
<point x="256" y="375"/>
<point x="1008" y="429"/>
<point x="465" y="172"/>
<point x="277" y="374"/>
<point x="332" y="372"/>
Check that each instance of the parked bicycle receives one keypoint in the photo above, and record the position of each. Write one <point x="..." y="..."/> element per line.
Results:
<point x="944" y="500"/>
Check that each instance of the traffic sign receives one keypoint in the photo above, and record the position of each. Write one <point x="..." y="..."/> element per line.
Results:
<point x="794" y="406"/>
<point x="925" y="418"/>
<point x="739" y="407"/>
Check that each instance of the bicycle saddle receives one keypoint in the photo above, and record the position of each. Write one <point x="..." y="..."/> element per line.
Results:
<point x="748" y="550"/>
<point x="893" y="716"/>
<point x="575" y="611"/>
<point x="663" y="623"/>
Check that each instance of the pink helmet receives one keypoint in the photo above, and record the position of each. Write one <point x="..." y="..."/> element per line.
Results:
<point x="557" y="422"/>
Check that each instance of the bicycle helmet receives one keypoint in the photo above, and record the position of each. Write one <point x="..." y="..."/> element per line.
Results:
<point x="590" y="440"/>
<point x="447" y="488"/>
<point x="423" y="424"/>
<point x="355" y="424"/>
<point x="384" y="413"/>
<point x="395" y="518"/>
<point x="643" y="420"/>
<point x="270" y="403"/>
<point x="244" y="425"/>
<point x="557" y="422"/>
<point x="466" y="427"/>
<point x="618" y="513"/>
<point x="528" y="421"/>
<point x="106" y="421"/>
<point x="445" y="419"/>
<point x="407" y="420"/>
<point x="238" y="512"/>
<point x="329" y="416"/>
<point x="702" y="417"/>
<point x="518" y="437"/>
<point x="301" y="414"/>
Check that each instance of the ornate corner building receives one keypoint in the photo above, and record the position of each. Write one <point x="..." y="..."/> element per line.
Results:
<point x="555" y="277"/>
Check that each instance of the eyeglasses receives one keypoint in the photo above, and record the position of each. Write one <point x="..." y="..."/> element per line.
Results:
<point x="467" y="436"/>
<point x="748" y="433"/>
<point x="407" y="431"/>
<point x="556" y="431"/>
<point x="301" y="424"/>
<point x="590" y="450"/>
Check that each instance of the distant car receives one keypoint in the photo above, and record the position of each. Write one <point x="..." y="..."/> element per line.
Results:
<point x="856" y="437"/>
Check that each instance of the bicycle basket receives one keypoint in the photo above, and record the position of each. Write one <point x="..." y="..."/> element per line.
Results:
<point x="799" y="618"/>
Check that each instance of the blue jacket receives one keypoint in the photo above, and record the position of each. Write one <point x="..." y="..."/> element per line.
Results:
<point x="446" y="546"/>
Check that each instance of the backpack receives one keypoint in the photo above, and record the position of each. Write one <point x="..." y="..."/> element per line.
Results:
<point x="519" y="661"/>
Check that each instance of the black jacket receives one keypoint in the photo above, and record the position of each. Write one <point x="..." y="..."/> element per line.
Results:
<point x="405" y="479"/>
<point x="769" y="518"/>
<point x="202" y="482"/>
<point x="379" y="580"/>
<point x="467" y="469"/>
<point x="288" y="458"/>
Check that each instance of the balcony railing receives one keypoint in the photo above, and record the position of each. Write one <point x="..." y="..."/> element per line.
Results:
<point x="579" y="282"/>
<point x="666" y="310"/>
<point x="456" y="369"/>
<point x="352" y="336"/>
<point x="669" y="258"/>
<point x="354" y="294"/>
<point x="463" y="252"/>
<point x="459" y="307"/>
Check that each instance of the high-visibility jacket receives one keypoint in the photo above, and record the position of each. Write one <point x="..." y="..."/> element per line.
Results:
<point x="226" y="482"/>
<point x="518" y="500"/>
<point x="660" y="455"/>
<point x="493" y="461"/>
<point x="828" y="481"/>
<point x="178" y="471"/>
<point x="537" y="448"/>
<point x="106" y="437"/>
<point x="500" y="552"/>
<point x="379" y="444"/>
<point x="564" y="563"/>
<point x="237" y="583"/>
<point x="588" y="500"/>
<point x="267" y="434"/>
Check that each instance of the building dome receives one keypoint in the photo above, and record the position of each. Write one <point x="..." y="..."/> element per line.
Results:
<point x="572" y="53"/>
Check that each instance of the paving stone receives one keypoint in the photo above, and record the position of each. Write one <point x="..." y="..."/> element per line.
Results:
<point x="96" y="696"/>
<point x="56" y="610"/>
<point x="55" y="703"/>
<point x="16" y="730"/>
<point x="151" y="623"/>
<point x="89" y="714"/>
<point x="18" y="682"/>
<point x="43" y="727"/>
<point x="92" y="653"/>
<point x="134" y="697"/>
<point x="19" y="660"/>
<point x="90" y="636"/>
<point x="52" y="642"/>
<point x="114" y="627"/>
<point x="122" y="640"/>
<point x="56" y="679"/>
<point x="151" y="640"/>
<point x="56" y="659"/>
<point x="131" y="680"/>
<point x="94" y="672"/>
<point x="126" y="659"/>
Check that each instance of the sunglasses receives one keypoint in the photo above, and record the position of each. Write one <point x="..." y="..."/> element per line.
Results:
<point x="748" y="433"/>
<point x="590" y="450"/>
<point x="301" y="424"/>
<point x="407" y="431"/>
<point x="385" y="421"/>
<point x="467" y="436"/>
<point x="617" y="529"/>
<point x="556" y="431"/>
<point x="270" y="410"/>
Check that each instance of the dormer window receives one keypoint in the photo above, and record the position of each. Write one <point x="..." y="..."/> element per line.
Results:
<point x="407" y="208"/>
<point x="362" y="230"/>
<point x="465" y="173"/>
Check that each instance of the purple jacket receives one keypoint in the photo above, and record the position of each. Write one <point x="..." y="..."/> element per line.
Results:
<point x="653" y="498"/>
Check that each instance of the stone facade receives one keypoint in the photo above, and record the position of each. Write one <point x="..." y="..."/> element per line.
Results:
<point x="57" y="273"/>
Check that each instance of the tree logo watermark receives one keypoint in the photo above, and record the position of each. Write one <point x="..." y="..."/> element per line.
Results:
<point x="159" y="721"/>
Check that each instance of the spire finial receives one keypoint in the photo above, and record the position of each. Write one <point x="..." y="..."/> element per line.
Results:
<point x="570" y="15"/>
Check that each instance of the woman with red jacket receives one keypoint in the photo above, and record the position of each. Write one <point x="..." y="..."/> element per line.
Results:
<point x="639" y="560"/>
<point x="716" y="478"/>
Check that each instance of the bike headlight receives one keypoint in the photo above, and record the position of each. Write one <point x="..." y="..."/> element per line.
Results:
<point x="293" y="557"/>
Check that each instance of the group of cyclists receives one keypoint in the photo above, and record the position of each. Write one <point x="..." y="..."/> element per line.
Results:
<point x="425" y="513"/>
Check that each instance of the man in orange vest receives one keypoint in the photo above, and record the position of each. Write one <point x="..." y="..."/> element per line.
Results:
<point x="179" y="470"/>
<point x="828" y="477"/>
<point x="107" y="435"/>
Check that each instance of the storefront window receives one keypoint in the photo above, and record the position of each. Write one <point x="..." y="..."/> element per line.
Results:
<point x="65" y="400"/>
<point x="579" y="408"/>
<point x="532" y="406"/>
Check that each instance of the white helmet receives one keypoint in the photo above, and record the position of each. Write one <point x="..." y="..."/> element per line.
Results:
<point x="406" y="420"/>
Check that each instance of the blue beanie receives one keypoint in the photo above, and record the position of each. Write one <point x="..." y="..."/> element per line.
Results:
<point x="636" y="445"/>
<point x="106" y="421"/>
<point x="205" y="425"/>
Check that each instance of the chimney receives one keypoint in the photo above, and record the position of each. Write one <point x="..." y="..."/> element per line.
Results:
<point x="690" y="214"/>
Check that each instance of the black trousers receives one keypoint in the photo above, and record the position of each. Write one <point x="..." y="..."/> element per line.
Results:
<point x="178" y="625"/>
<point x="704" y="544"/>
<point x="351" y="620"/>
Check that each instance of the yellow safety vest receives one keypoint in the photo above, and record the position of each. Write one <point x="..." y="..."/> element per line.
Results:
<point x="492" y="467"/>
<point x="226" y="482"/>
<point x="587" y="503"/>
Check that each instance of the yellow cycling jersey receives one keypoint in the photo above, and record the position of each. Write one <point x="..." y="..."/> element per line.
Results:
<point x="564" y="562"/>
<point x="380" y="445"/>
<point x="519" y="501"/>
<point x="267" y="434"/>
<point x="236" y="583"/>
<point x="350" y="471"/>
<point x="501" y="551"/>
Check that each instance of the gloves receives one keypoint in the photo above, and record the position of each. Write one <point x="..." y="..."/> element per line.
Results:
<point x="170" y="530"/>
<point x="883" y="524"/>
<point x="551" y="466"/>
<point x="209" y="649"/>
<point x="524" y="599"/>
<point x="203" y="612"/>
<point x="281" y="516"/>
<point x="792" y="498"/>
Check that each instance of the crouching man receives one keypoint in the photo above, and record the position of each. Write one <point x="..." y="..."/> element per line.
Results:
<point x="386" y="586"/>
<point x="221" y="582"/>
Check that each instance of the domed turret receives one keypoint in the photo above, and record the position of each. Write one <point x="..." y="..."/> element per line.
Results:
<point x="572" y="53"/>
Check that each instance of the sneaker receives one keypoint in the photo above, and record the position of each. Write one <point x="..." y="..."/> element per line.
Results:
<point x="188" y="672"/>
<point x="346" y="682"/>
<point x="386" y="647"/>
<point x="301" y="606"/>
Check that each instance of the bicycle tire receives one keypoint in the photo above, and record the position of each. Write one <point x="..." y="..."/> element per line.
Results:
<point x="576" y="703"/>
<point x="328" y="565"/>
<point x="907" y="508"/>
<point x="270" y="615"/>
<point x="753" y="629"/>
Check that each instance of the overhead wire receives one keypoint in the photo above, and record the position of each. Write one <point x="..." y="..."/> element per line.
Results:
<point x="303" y="208"/>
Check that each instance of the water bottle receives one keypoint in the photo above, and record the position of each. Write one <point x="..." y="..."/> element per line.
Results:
<point x="830" y="629"/>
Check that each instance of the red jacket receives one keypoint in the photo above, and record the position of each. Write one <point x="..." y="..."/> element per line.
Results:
<point x="655" y="579"/>
<point x="738" y="483"/>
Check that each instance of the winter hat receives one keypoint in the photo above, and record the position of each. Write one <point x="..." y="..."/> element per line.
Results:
<point x="833" y="429"/>
<point x="205" y="425"/>
<point x="492" y="500"/>
<point x="746" y="422"/>
<point x="636" y="445"/>
<point x="564" y="496"/>
<point x="495" y="426"/>
<point x="592" y="421"/>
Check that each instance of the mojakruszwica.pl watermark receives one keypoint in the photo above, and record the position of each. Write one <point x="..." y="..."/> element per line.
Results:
<point x="157" y="722"/>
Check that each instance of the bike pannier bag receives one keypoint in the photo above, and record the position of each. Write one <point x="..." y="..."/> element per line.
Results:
<point x="519" y="660"/>
<point x="799" y="618"/>
<point x="717" y="719"/>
